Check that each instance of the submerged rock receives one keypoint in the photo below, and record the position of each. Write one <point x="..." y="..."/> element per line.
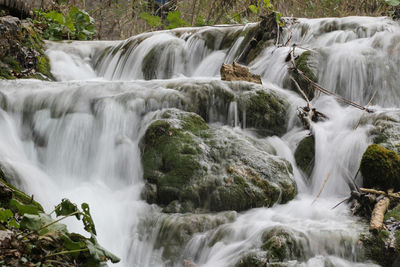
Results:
<point x="237" y="72"/>
<point x="305" y="155"/>
<point x="195" y="167"/>
<point x="380" y="168"/>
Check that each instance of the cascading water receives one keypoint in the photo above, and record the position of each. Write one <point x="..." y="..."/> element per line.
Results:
<point x="80" y="137"/>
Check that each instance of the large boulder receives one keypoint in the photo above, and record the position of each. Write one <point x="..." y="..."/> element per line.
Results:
<point x="189" y="166"/>
<point x="380" y="168"/>
<point x="263" y="110"/>
<point x="237" y="72"/>
<point x="22" y="50"/>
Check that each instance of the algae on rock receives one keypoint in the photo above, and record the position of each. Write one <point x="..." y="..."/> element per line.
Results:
<point x="195" y="167"/>
<point x="380" y="168"/>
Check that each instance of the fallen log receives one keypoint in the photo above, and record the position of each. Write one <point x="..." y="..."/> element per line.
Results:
<point x="378" y="214"/>
<point x="378" y="192"/>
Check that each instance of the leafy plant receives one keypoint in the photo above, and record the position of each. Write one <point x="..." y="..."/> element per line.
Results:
<point x="43" y="224"/>
<point x="153" y="21"/>
<point x="175" y="20"/>
<point x="393" y="2"/>
<point x="257" y="9"/>
<point x="76" y="25"/>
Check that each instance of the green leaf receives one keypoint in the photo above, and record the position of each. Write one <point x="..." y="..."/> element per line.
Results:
<point x="253" y="9"/>
<point x="24" y="208"/>
<point x="87" y="219"/>
<point x="13" y="224"/>
<point x="66" y="207"/>
<point x="31" y="222"/>
<point x="99" y="253"/>
<point x="5" y="215"/>
<point x="175" y="21"/>
<point x="393" y="2"/>
<point x="153" y="21"/>
<point x="55" y="16"/>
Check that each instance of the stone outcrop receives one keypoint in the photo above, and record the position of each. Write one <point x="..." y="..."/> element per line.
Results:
<point x="22" y="51"/>
<point x="189" y="167"/>
<point x="237" y="72"/>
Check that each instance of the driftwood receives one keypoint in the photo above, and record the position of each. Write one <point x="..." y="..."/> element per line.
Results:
<point x="378" y="214"/>
<point x="378" y="192"/>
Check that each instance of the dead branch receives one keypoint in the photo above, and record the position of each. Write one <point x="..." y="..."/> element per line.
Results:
<point x="322" y="188"/>
<point x="323" y="90"/>
<point x="377" y="192"/>
<point x="378" y="214"/>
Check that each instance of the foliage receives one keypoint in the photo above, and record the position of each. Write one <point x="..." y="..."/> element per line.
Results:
<point x="258" y="8"/>
<point x="174" y="20"/>
<point x="75" y="25"/>
<point x="393" y="2"/>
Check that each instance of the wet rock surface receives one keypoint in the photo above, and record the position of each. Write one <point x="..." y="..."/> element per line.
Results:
<point x="195" y="167"/>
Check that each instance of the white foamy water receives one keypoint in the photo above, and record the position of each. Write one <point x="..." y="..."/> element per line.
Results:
<point x="79" y="137"/>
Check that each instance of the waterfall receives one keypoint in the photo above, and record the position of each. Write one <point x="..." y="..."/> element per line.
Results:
<point x="80" y="137"/>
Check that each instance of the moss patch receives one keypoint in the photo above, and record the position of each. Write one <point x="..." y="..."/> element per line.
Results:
<point x="305" y="154"/>
<point x="303" y="64"/>
<point x="267" y="112"/>
<point x="380" y="168"/>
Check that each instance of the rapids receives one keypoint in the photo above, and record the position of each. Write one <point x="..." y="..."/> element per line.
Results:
<point x="79" y="137"/>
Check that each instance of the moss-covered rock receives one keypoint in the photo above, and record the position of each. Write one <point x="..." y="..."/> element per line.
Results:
<point x="264" y="111"/>
<point x="22" y="51"/>
<point x="380" y="168"/>
<point x="305" y="155"/>
<point x="177" y="229"/>
<point x="379" y="249"/>
<point x="304" y="64"/>
<point x="194" y="167"/>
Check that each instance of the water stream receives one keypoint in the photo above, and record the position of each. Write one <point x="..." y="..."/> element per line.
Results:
<point x="79" y="137"/>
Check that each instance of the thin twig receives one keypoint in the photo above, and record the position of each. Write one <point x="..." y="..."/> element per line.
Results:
<point x="341" y="202"/>
<point x="322" y="188"/>
<point x="301" y="91"/>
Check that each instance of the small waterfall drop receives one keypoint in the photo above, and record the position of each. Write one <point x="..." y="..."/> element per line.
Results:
<point x="80" y="137"/>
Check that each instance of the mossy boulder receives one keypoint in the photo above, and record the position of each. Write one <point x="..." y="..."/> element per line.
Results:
<point x="379" y="248"/>
<point x="279" y="246"/>
<point x="380" y="168"/>
<point x="194" y="167"/>
<point x="265" y="111"/>
<point x="22" y="50"/>
<point x="303" y="63"/>
<point x="262" y="110"/>
<point x="177" y="229"/>
<point x="305" y="155"/>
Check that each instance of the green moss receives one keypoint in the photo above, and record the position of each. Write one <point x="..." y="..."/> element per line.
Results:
<point x="5" y="73"/>
<point x="380" y="168"/>
<point x="305" y="154"/>
<point x="43" y="65"/>
<point x="266" y="112"/>
<point x="376" y="248"/>
<point x="280" y="245"/>
<point x="13" y="64"/>
<point x="303" y="64"/>
<point x="394" y="213"/>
